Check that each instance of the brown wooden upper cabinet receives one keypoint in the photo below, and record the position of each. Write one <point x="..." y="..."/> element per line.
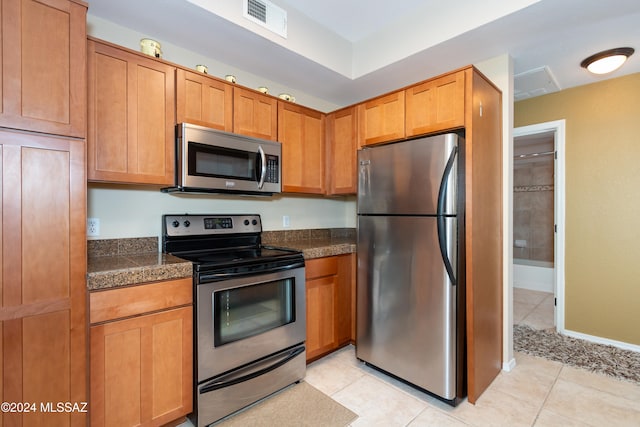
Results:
<point x="204" y="100"/>
<point x="131" y="120"/>
<point x="382" y="119"/>
<point x="301" y="132"/>
<point x="435" y="105"/>
<point x="342" y="146"/>
<point x="255" y="114"/>
<point x="43" y="71"/>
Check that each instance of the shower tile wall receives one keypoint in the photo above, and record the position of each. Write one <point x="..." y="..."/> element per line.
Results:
<point x="533" y="208"/>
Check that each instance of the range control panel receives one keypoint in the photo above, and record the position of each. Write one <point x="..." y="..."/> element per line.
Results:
<point x="195" y="225"/>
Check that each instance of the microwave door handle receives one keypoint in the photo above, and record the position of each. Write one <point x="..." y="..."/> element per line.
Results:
<point x="263" y="167"/>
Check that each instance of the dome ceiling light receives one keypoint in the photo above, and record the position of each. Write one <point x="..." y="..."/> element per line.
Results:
<point x="607" y="61"/>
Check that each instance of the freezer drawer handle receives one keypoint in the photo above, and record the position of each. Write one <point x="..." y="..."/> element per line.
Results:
<point x="442" y="234"/>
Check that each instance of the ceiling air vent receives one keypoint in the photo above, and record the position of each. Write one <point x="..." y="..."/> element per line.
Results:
<point x="536" y="82"/>
<point x="267" y="14"/>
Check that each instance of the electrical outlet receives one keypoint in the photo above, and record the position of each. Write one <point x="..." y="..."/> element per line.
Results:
<point x="285" y="221"/>
<point x="93" y="227"/>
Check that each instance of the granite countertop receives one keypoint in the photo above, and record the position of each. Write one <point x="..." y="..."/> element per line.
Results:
<point x="124" y="262"/>
<point x="314" y="243"/>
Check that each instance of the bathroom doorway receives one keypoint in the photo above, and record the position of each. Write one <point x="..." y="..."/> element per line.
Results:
<point x="538" y="225"/>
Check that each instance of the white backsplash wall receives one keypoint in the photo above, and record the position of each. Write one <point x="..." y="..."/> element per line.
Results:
<point x="127" y="211"/>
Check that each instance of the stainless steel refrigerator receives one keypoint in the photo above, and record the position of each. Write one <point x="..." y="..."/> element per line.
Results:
<point x="410" y="282"/>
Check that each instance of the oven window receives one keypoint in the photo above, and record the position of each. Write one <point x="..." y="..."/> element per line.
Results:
<point x="221" y="162"/>
<point x="250" y="310"/>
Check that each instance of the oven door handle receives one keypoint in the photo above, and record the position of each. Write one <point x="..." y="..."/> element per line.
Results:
<point x="239" y="377"/>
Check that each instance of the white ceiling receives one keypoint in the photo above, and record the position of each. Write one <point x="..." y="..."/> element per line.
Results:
<point x="356" y="19"/>
<point x="556" y="34"/>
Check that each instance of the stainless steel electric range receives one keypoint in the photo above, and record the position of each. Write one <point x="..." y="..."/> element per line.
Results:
<point x="249" y="317"/>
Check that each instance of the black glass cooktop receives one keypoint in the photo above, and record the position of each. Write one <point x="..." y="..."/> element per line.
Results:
<point x="234" y="256"/>
<point x="224" y="244"/>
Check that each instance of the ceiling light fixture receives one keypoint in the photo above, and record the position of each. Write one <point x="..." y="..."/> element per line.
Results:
<point x="607" y="61"/>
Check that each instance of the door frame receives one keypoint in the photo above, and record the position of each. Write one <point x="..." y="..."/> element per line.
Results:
<point x="557" y="126"/>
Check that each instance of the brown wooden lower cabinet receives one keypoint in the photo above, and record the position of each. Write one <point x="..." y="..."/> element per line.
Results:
<point x="141" y="365"/>
<point x="330" y="314"/>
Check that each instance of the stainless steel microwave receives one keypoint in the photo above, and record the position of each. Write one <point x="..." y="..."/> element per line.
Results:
<point x="212" y="161"/>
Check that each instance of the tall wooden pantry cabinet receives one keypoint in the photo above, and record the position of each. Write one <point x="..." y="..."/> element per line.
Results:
<point x="43" y="192"/>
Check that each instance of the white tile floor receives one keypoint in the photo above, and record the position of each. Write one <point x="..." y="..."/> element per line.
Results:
<point x="533" y="308"/>
<point x="537" y="392"/>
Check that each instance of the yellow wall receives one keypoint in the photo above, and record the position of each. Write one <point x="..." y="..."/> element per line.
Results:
<point x="602" y="276"/>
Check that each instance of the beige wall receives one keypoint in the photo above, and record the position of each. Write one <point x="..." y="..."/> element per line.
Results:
<point x="602" y="266"/>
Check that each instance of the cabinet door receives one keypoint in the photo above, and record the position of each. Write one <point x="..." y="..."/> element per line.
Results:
<point x="204" y="101"/>
<point x="345" y="299"/>
<point x="321" y="283"/>
<point x="382" y="119"/>
<point x="435" y="105"/>
<point x="342" y="146"/>
<point x="43" y="70"/>
<point x="301" y="132"/>
<point x="141" y="369"/>
<point x="131" y="117"/>
<point x="42" y="287"/>
<point x="255" y="114"/>
<point x="321" y="313"/>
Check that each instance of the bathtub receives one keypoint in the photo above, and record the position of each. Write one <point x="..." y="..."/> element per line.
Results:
<point x="533" y="275"/>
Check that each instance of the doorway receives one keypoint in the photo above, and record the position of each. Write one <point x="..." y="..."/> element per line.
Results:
<point x="538" y="225"/>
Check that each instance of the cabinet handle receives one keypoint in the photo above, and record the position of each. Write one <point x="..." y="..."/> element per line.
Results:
<point x="263" y="167"/>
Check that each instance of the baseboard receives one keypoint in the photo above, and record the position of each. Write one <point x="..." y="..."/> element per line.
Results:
<point x="533" y="277"/>
<point x="600" y="340"/>
<point x="534" y="286"/>
<point x="509" y="366"/>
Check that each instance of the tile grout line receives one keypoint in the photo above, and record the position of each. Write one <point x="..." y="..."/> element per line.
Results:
<point x="544" y="401"/>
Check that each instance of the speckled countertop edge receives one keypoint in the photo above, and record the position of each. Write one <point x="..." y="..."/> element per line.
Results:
<point x="319" y="248"/>
<point x="123" y="270"/>
<point x="314" y="243"/>
<point x="124" y="262"/>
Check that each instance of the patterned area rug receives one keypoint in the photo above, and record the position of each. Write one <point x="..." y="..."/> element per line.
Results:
<point x="600" y="358"/>
<point x="300" y="405"/>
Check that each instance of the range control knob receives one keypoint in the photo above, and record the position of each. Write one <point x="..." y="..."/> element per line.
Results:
<point x="187" y="223"/>
<point x="246" y="222"/>
<point x="254" y="222"/>
<point x="175" y="224"/>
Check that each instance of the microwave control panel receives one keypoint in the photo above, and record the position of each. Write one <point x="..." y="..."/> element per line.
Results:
<point x="273" y="169"/>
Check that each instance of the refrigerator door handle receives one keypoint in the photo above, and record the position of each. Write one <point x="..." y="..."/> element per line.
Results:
<point x="442" y="232"/>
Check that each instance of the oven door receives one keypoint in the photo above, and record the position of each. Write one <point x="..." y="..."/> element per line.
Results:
<point x="244" y="319"/>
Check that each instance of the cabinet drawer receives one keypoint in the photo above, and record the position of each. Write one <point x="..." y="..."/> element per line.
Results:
<point x="320" y="267"/>
<point x="131" y="301"/>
